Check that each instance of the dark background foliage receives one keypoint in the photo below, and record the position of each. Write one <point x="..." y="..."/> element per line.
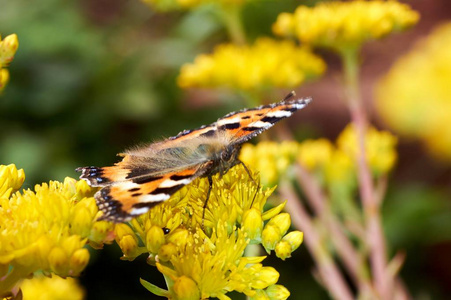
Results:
<point x="91" y="78"/>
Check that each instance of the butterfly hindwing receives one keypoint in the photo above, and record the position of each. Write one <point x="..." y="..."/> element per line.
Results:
<point x="126" y="199"/>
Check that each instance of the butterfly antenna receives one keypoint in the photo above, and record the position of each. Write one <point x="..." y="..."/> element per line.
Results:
<point x="290" y="95"/>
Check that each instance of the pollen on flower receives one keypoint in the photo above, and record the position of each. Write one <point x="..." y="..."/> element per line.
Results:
<point x="339" y="24"/>
<point x="266" y="63"/>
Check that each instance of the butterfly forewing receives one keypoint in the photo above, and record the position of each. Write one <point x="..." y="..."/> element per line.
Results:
<point x="246" y="124"/>
<point x="149" y="175"/>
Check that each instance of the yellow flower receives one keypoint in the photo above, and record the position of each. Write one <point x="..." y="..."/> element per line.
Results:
<point x="315" y="154"/>
<point x="414" y="98"/>
<point x="340" y="170"/>
<point x="4" y="78"/>
<point x="270" y="158"/>
<point x="11" y="180"/>
<point x="8" y="47"/>
<point x="379" y="147"/>
<point x="340" y="25"/>
<point x="277" y="292"/>
<point x="201" y="254"/>
<point x="49" y="226"/>
<point x="52" y="288"/>
<point x="267" y="63"/>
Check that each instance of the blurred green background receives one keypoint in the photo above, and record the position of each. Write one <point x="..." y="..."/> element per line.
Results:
<point x="92" y="78"/>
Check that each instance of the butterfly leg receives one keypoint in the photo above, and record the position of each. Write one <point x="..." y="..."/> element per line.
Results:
<point x="210" y="185"/>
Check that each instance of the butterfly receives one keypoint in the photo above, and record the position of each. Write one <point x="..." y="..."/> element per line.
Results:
<point x="149" y="175"/>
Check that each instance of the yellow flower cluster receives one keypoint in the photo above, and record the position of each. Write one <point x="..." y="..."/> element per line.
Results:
<point x="46" y="229"/>
<point x="341" y="25"/>
<point x="8" y="47"/>
<point x="331" y="163"/>
<point x="201" y="254"/>
<point x="52" y="288"/>
<point x="267" y="63"/>
<point x="272" y="159"/>
<point x="414" y="98"/>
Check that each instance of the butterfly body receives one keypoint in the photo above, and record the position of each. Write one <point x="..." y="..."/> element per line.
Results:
<point x="149" y="175"/>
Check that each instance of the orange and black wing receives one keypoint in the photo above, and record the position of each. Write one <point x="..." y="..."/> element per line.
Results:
<point x="243" y="125"/>
<point x="127" y="193"/>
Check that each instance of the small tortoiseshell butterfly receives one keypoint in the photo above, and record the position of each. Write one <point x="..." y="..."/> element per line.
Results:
<point x="149" y="175"/>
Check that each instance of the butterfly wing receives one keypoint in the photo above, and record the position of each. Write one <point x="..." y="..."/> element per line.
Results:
<point x="149" y="175"/>
<point x="126" y="198"/>
<point x="243" y="125"/>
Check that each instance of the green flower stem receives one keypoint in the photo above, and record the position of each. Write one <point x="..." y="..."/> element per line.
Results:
<point x="231" y="16"/>
<point x="329" y="272"/>
<point x="374" y="231"/>
<point x="353" y="260"/>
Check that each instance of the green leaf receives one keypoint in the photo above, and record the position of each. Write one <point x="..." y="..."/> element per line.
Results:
<point x="154" y="289"/>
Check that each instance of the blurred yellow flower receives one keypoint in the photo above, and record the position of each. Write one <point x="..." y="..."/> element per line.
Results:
<point x="4" y="78"/>
<point x="201" y="254"/>
<point x="315" y="154"/>
<point x="340" y="25"/>
<point x="414" y="98"/>
<point x="331" y="164"/>
<point x="46" y="229"/>
<point x="8" y="47"/>
<point x="52" y="288"/>
<point x="379" y="147"/>
<point x="267" y="63"/>
<point x="270" y="158"/>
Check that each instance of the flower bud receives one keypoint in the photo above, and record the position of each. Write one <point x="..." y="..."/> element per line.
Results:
<point x="283" y="221"/>
<point x="294" y="238"/>
<point x="128" y="245"/>
<point x="185" y="288"/>
<point x="166" y="251"/>
<point x="252" y="224"/>
<point x="79" y="260"/>
<point x="277" y="292"/>
<point x="283" y="250"/>
<point x="270" y="236"/>
<point x="154" y="239"/>
<point x="266" y="276"/>
<point x="8" y="47"/>
<point x="58" y="261"/>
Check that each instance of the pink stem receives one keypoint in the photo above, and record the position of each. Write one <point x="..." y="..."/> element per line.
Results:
<point x="329" y="272"/>
<point x="374" y="232"/>
<point x="350" y="257"/>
